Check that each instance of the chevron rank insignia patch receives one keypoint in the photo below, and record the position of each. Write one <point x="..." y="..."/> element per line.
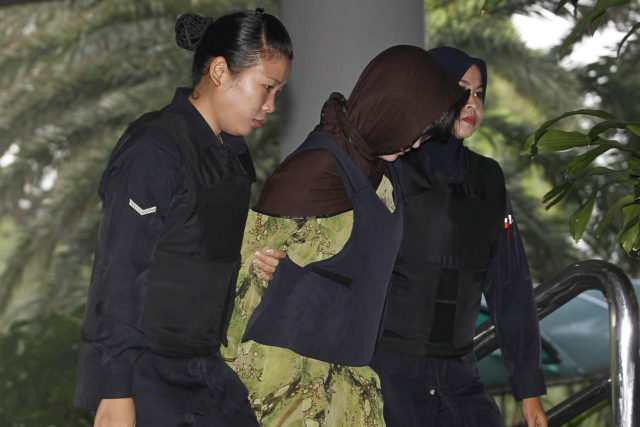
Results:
<point x="141" y="211"/>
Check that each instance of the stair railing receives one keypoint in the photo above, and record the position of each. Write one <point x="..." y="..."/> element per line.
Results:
<point x="623" y="385"/>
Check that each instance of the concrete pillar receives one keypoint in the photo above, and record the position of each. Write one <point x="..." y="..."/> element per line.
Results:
<point x="333" y="40"/>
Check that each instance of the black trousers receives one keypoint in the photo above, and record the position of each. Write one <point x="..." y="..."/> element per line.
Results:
<point x="194" y="392"/>
<point x="431" y="392"/>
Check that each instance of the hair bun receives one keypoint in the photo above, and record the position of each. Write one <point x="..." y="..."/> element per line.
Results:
<point x="189" y="30"/>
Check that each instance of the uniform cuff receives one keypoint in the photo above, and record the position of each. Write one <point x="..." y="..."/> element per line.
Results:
<point x="99" y="380"/>
<point x="526" y="384"/>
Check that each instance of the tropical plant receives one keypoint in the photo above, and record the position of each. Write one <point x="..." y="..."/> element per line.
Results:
<point x="596" y="178"/>
<point x="603" y="175"/>
<point x="37" y="373"/>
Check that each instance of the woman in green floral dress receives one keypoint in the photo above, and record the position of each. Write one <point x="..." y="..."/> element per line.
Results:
<point x="286" y="388"/>
<point x="315" y="222"/>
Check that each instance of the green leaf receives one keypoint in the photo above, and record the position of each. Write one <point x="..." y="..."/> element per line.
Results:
<point x="581" y="162"/>
<point x="584" y="111"/>
<point x="611" y="144"/>
<point x="630" y="213"/>
<point x="558" y="140"/>
<point x="589" y="19"/>
<point x="634" y="128"/>
<point x="634" y="163"/>
<point x="629" y="236"/>
<point x="608" y="216"/>
<point x="610" y="124"/>
<point x="579" y="219"/>
<point x="624" y="39"/>
<point x="532" y="142"/>
<point x="557" y="194"/>
<point x="529" y="147"/>
<point x="623" y="230"/>
<point x="626" y="181"/>
<point x="595" y="23"/>
<point x="554" y="192"/>
<point x="598" y="128"/>
<point x="599" y="170"/>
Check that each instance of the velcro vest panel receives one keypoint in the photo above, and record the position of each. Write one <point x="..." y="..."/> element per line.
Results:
<point x="191" y="285"/>
<point x="191" y="281"/>
<point x="445" y="252"/>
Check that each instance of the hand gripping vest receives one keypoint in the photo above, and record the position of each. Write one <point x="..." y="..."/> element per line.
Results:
<point x="331" y="310"/>
<point x="191" y="282"/>
<point x="444" y="256"/>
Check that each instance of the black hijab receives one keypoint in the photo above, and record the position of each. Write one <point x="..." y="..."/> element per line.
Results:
<point x="447" y="153"/>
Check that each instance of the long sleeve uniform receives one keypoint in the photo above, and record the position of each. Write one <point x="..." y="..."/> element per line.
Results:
<point x="509" y="294"/>
<point x="143" y="190"/>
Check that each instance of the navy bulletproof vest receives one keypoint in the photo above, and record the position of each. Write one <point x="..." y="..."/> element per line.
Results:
<point x="191" y="281"/>
<point x="448" y="238"/>
<point x="332" y="310"/>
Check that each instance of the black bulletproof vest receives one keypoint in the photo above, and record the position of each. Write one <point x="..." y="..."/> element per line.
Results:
<point x="448" y="238"/>
<point x="191" y="282"/>
<point x="332" y="310"/>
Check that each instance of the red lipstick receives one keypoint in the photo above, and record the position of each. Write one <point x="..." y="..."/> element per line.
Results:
<point x="470" y="119"/>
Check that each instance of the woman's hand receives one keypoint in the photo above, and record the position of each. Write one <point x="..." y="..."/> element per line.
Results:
<point x="534" y="412"/>
<point x="116" y="413"/>
<point x="267" y="261"/>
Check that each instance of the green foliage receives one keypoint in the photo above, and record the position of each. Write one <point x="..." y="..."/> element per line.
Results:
<point x="633" y="29"/>
<point x="38" y="360"/>
<point x="591" y="20"/>
<point x="546" y="140"/>
<point x="578" y="220"/>
<point x="595" y="155"/>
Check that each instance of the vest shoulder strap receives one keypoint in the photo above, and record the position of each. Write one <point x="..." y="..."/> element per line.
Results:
<point x="486" y="180"/>
<point x="352" y="176"/>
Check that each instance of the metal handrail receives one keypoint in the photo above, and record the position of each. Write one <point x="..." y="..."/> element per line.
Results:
<point x="575" y="405"/>
<point x="624" y="324"/>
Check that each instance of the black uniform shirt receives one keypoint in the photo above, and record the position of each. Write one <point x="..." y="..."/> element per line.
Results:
<point x="142" y="189"/>
<point x="509" y="294"/>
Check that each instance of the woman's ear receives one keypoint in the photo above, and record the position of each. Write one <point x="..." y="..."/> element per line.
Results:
<point x="217" y="70"/>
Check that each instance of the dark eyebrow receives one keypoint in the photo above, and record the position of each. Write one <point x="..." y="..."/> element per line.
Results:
<point x="468" y="83"/>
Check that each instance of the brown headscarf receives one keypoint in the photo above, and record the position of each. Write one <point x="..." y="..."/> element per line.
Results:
<point x="398" y="95"/>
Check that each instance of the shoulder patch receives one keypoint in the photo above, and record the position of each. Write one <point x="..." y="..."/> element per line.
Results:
<point x="140" y="210"/>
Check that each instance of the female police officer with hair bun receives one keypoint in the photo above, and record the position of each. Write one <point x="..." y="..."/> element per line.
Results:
<point x="175" y="198"/>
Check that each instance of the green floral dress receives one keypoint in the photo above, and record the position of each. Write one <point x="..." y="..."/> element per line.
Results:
<point x="286" y="389"/>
